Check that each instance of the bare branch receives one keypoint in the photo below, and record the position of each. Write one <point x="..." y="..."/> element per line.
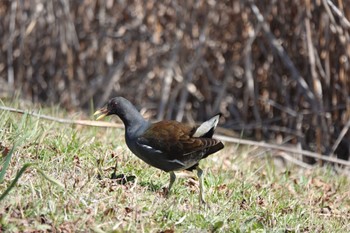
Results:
<point x="282" y="148"/>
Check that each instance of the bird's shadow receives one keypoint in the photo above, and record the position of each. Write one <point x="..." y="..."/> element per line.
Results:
<point x="122" y="178"/>
<point x="154" y="187"/>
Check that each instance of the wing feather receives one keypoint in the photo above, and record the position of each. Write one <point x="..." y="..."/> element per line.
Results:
<point x="175" y="139"/>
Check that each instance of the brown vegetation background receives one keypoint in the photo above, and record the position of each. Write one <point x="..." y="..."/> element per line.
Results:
<point x="277" y="70"/>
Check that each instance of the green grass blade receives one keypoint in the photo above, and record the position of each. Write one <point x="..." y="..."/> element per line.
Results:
<point x="19" y="174"/>
<point x="49" y="178"/>
<point x="6" y="164"/>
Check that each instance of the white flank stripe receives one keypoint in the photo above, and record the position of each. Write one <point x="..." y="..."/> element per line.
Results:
<point x="177" y="161"/>
<point x="150" y="148"/>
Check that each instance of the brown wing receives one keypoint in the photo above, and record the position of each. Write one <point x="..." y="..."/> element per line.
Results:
<point x="175" y="139"/>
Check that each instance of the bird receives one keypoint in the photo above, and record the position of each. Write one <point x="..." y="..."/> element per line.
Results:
<point x="167" y="145"/>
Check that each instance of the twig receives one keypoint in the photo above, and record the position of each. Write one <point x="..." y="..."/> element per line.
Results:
<point x="344" y="20"/>
<point x="283" y="55"/>
<point x="167" y="81"/>
<point x="311" y="53"/>
<point x="188" y="73"/>
<point x="293" y="160"/>
<point x="64" y="121"/>
<point x="172" y="101"/>
<point x="10" y="74"/>
<point x="250" y="91"/>
<point x="321" y="126"/>
<point x="280" y="107"/>
<point x="113" y="78"/>
<point x="183" y="97"/>
<point x="339" y="30"/>
<point x="321" y="70"/>
<point x="340" y="137"/>
<point x="71" y="33"/>
<point x="282" y="148"/>
<point x="223" y="92"/>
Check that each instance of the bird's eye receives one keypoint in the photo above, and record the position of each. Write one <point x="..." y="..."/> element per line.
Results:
<point x="112" y="105"/>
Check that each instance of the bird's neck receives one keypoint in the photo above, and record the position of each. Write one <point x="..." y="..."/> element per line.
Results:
<point x="134" y="123"/>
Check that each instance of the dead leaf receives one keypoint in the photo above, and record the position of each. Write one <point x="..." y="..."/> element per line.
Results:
<point x="243" y="205"/>
<point x="167" y="231"/>
<point x="128" y="210"/>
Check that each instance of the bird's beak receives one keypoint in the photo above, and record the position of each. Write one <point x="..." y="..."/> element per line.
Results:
<point x="102" y="113"/>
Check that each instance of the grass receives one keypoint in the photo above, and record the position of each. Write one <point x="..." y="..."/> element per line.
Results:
<point x="245" y="192"/>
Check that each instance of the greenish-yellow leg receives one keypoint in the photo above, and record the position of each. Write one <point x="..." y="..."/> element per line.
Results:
<point x="201" y="187"/>
<point x="172" y="180"/>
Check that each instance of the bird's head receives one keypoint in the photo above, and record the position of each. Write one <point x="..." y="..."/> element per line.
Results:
<point x="115" y="106"/>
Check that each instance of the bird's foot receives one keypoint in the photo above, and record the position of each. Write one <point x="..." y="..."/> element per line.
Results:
<point x="165" y="192"/>
<point x="203" y="204"/>
<point x="114" y="176"/>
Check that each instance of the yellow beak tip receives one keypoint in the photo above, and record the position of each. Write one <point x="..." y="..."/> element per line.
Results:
<point x="102" y="113"/>
<point x="97" y="112"/>
<point x="101" y="116"/>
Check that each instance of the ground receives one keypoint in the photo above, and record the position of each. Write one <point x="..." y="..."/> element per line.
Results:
<point x="65" y="185"/>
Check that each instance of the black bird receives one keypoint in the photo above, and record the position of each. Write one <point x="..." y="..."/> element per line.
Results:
<point x="167" y="145"/>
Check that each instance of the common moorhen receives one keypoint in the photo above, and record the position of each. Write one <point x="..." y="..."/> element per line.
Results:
<point x="167" y="145"/>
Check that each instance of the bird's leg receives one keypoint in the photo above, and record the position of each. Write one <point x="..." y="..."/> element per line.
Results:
<point x="99" y="169"/>
<point x="172" y="180"/>
<point x="114" y="174"/>
<point x="201" y="187"/>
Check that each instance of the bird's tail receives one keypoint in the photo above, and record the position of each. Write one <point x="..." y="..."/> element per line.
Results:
<point x="207" y="128"/>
